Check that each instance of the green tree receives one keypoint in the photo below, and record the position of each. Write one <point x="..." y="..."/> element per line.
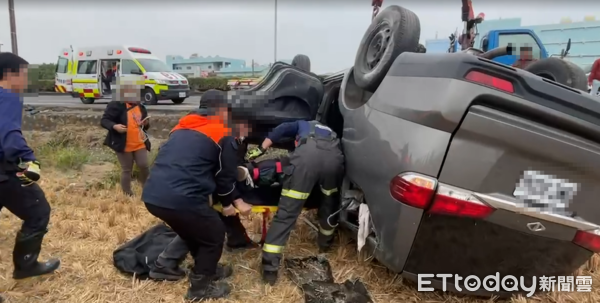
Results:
<point x="46" y="71"/>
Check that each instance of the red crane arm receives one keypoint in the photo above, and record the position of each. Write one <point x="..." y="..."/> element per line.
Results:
<point x="376" y="6"/>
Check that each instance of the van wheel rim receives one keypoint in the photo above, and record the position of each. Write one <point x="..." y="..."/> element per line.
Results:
<point x="148" y="97"/>
<point x="378" y="45"/>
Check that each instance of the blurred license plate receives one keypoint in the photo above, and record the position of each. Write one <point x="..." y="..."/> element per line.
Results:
<point x="545" y="192"/>
<point x="182" y="95"/>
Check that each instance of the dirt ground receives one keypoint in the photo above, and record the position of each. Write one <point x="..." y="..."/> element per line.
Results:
<point x="90" y="218"/>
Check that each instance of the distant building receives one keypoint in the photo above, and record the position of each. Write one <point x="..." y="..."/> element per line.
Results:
<point x="197" y="66"/>
<point x="585" y="37"/>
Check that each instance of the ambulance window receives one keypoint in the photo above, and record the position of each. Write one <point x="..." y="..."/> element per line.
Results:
<point x="129" y="67"/>
<point x="87" y="67"/>
<point x="62" y="65"/>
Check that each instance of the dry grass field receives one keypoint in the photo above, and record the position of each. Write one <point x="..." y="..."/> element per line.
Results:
<point x="90" y="218"/>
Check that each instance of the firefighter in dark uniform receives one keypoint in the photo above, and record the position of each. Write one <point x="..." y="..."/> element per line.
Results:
<point x="19" y="172"/>
<point x="317" y="161"/>
<point x="188" y="169"/>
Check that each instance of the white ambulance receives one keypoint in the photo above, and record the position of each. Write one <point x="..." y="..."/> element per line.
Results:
<point x="87" y="73"/>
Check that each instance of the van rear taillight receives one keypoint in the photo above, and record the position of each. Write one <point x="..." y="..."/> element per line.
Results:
<point x="453" y="201"/>
<point x="588" y="240"/>
<point x="490" y="81"/>
<point x="413" y="189"/>
<point x="426" y="193"/>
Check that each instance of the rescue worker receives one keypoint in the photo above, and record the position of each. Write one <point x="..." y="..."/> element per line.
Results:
<point x="19" y="172"/>
<point x="188" y="169"/>
<point x="594" y="78"/>
<point x="317" y="160"/>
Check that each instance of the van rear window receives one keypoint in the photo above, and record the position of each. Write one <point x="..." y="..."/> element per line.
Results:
<point x="87" y="67"/>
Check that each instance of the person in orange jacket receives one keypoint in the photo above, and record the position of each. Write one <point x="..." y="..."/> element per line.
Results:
<point x="195" y="163"/>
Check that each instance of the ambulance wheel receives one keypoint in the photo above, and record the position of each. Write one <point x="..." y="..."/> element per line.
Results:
<point x="149" y="96"/>
<point x="87" y="100"/>
<point x="178" y="100"/>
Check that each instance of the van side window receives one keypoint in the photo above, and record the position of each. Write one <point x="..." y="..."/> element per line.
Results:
<point x="519" y="40"/>
<point x="129" y="67"/>
<point x="87" y="67"/>
<point x="62" y="65"/>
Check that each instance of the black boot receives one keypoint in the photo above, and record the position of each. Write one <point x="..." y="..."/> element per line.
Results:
<point x="205" y="288"/>
<point x="324" y="242"/>
<point x="223" y="272"/>
<point x="25" y="254"/>
<point x="166" y="272"/>
<point x="237" y="238"/>
<point x="269" y="277"/>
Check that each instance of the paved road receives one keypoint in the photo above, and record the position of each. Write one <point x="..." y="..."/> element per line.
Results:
<point x="67" y="101"/>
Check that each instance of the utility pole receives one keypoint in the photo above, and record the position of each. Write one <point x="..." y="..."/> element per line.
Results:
<point x="275" y="36"/>
<point x="13" y="27"/>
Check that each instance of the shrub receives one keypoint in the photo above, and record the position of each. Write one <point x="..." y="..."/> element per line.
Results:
<point x="41" y="85"/>
<point x="204" y="84"/>
<point x="45" y="85"/>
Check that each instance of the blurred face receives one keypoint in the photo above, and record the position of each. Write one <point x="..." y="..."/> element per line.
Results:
<point x="223" y="114"/>
<point x="17" y="82"/>
<point x="130" y="93"/>
<point x="243" y="129"/>
<point x="526" y="53"/>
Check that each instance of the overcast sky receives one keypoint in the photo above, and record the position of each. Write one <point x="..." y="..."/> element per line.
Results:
<point x="328" y="31"/>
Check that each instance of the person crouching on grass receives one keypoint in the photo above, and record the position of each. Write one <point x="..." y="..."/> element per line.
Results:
<point x="195" y="162"/>
<point x="126" y="120"/>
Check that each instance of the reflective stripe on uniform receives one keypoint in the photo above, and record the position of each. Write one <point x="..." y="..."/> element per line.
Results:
<point x="326" y="232"/>
<point x="294" y="194"/>
<point x="329" y="192"/>
<point x="274" y="249"/>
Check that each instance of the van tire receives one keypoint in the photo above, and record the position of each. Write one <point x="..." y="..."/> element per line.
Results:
<point x="178" y="100"/>
<point x="393" y="31"/>
<point x="302" y="62"/>
<point x="561" y="71"/>
<point x="149" y="96"/>
<point x="87" y="100"/>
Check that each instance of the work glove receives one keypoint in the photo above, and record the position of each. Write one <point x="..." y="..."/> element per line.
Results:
<point x="254" y="153"/>
<point x="30" y="172"/>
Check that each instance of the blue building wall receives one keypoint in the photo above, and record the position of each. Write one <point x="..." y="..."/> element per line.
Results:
<point x="437" y="45"/>
<point x="585" y="38"/>
<point x="226" y="67"/>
